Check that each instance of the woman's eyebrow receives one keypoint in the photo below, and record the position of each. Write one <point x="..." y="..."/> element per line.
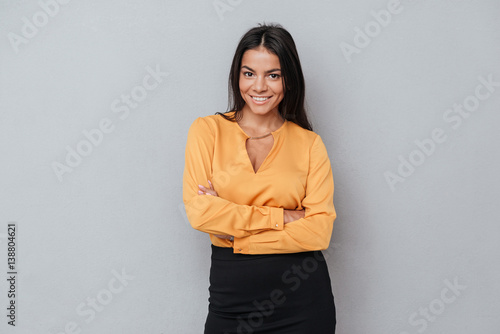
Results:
<point x="251" y="70"/>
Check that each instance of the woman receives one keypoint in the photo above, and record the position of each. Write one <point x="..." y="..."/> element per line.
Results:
<point x="259" y="181"/>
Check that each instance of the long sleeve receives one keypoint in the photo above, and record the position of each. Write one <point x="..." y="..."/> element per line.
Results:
<point x="313" y="232"/>
<point x="213" y="214"/>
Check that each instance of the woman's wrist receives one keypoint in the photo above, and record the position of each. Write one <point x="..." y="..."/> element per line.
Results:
<point x="292" y="215"/>
<point x="285" y="216"/>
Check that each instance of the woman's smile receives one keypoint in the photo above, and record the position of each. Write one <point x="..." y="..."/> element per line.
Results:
<point x="260" y="100"/>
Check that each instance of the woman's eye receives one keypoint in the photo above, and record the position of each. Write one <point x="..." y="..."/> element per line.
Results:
<point x="247" y="74"/>
<point x="274" y="76"/>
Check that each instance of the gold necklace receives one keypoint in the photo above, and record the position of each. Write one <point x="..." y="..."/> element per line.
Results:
<point x="260" y="136"/>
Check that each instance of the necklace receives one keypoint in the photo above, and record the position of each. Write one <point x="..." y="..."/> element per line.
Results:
<point x="260" y="136"/>
<point x="263" y="135"/>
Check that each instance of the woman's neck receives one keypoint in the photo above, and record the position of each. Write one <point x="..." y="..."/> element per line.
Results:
<point x="261" y="123"/>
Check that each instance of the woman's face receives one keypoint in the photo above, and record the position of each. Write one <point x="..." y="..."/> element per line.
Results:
<point x="261" y="84"/>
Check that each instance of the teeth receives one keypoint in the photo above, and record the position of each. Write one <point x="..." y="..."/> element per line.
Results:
<point x="261" y="99"/>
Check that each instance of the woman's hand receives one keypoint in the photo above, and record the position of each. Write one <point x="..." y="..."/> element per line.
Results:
<point x="292" y="215"/>
<point x="207" y="191"/>
<point x="228" y="237"/>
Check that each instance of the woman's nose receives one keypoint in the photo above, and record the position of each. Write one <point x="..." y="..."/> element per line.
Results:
<point x="260" y="84"/>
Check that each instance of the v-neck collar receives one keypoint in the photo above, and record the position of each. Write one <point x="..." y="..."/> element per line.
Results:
<point x="275" y="135"/>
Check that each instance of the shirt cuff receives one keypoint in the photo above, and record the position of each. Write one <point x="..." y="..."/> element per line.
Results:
<point x="277" y="218"/>
<point x="241" y="245"/>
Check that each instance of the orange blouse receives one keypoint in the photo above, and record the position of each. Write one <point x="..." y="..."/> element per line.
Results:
<point x="295" y="175"/>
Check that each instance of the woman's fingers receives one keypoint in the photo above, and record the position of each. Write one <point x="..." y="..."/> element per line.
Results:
<point x="207" y="191"/>
<point x="204" y="191"/>
<point x="213" y="192"/>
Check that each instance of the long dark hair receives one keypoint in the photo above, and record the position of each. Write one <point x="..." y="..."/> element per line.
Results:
<point x="278" y="41"/>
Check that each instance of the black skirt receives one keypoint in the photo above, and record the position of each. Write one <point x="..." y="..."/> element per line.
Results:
<point x="269" y="293"/>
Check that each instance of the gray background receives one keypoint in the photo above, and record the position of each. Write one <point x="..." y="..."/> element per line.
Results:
<point x="394" y="250"/>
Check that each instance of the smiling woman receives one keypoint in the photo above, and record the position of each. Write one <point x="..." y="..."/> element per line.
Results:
<point x="259" y="181"/>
